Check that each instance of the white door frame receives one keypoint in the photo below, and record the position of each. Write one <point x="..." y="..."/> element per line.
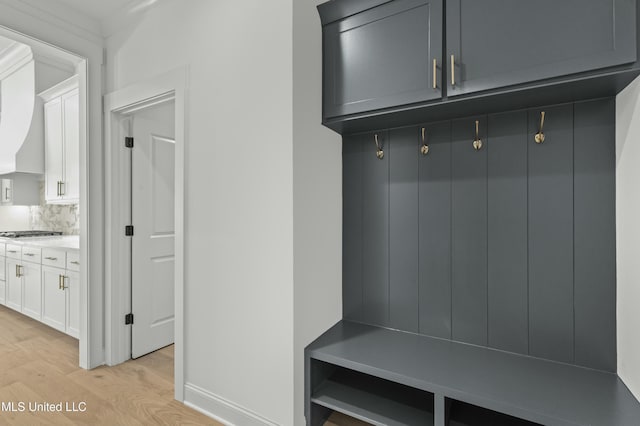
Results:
<point x="89" y="356"/>
<point x="172" y="85"/>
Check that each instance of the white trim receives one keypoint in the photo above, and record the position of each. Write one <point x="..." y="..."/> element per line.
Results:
<point x="174" y="85"/>
<point x="228" y="413"/>
<point x="60" y="89"/>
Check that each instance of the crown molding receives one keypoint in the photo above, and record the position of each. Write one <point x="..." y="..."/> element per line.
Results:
<point x="61" y="16"/>
<point x="14" y="58"/>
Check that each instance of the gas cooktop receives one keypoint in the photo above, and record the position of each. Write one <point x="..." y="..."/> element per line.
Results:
<point x="22" y="234"/>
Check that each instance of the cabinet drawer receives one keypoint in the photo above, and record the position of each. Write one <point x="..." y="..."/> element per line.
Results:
<point x="73" y="260"/>
<point x="31" y="254"/>
<point x="14" y="251"/>
<point x="53" y="257"/>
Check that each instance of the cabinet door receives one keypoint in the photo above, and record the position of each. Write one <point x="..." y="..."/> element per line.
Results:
<point x="497" y="43"/>
<point x="14" y="285"/>
<point x="71" y="113"/>
<point x="3" y="284"/>
<point x="32" y="290"/>
<point x="54" y="298"/>
<point x="53" y="139"/>
<point x="72" y="283"/>
<point x="383" y="57"/>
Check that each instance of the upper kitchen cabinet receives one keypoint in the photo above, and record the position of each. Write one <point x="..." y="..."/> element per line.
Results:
<point x="380" y="54"/>
<point x="62" y="130"/>
<point x="497" y="43"/>
<point x="394" y="63"/>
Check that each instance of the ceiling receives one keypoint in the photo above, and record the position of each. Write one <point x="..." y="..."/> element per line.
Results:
<point x="97" y="9"/>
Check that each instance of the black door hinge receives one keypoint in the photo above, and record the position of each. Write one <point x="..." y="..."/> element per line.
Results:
<point x="128" y="142"/>
<point x="128" y="230"/>
<point x="128" y="319"/>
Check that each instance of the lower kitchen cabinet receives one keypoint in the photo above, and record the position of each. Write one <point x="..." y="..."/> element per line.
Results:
<point x="72" y="289"/>
<point x="3" y="280"/>
<point x="14" y="285"/>
<point x="61" y="300"/>
<point x="31" y="275"/>
<point x="54" y="300"/>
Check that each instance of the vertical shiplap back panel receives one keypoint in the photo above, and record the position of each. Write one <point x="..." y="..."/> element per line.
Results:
<point x="403" y="229"/>
<point x="375" y="232"/>
<point x="469" y="232"/>
<point x="507" y="232"/>
<point x="435" y="232"/>
<point x="595" y="234"/>
<point x="511" y="247"/>
<point x="551" y="235"/>
<point x="352" y="174"/>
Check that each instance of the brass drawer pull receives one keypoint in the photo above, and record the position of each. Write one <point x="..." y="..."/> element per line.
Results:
<point x="29" y="254"/>
<point x="51" y="258"/>
<point x="75" y="262"/>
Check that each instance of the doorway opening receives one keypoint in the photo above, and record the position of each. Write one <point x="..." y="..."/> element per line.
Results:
<point x="45" y="88"/>
<point x="145" y="231"/>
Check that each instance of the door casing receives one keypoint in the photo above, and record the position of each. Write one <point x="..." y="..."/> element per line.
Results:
<point x="163" y="88"/>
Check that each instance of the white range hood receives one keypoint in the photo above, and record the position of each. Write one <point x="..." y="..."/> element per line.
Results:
<point x="21" y="114"/>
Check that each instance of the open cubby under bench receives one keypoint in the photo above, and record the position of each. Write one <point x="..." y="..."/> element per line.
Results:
<point x="390" y="377"/>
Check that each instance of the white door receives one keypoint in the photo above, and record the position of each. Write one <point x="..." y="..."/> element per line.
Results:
<point x="152" y="247"/>
<point x="53" y="140"/>
<point x="14" y="285"/>
<point x="71" y="113"/>
<point x="3" y="284"/>
<point x="54" y="298"/>
<point x="31" y="289"/>
<point x="72" y="285"/>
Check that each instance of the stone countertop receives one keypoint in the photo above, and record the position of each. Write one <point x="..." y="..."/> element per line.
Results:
<point x="66" y="242"/>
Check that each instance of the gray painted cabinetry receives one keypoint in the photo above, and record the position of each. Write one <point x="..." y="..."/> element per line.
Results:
<point x="479" y="264"/>
<point x="387" y="59"/>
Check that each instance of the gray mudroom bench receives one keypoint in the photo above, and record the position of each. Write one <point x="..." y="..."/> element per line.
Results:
<point x="479" y="223"/>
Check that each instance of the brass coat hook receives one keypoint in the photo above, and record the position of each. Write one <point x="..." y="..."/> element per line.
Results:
<point x="424" y="149"/>
<point x="477" y="143"/>
<point x="539" y="138"/>
<point x="379" y="151"/>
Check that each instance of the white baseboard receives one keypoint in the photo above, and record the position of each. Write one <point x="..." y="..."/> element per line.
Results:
<point x="218" y="408"/>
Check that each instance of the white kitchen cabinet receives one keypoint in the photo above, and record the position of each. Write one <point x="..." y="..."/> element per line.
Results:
<point x="3" y="276"/>
<point x="54" y="298"/>
<point x="72" y="289"/>
<point x="14" y="285"/>
<point x="31" y="274"/>
<point x="62" y="141"/>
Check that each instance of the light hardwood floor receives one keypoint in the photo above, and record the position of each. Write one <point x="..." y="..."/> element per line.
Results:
<point x="39" y="364"/>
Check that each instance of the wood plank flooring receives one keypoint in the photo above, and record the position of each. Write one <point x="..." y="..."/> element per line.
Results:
<point x="40" y="365"/>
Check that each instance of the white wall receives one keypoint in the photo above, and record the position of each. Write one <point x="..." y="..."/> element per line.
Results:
<point x="628" y="234"/>
<point x="239" y="193"/>
<point x="317" y="195"/>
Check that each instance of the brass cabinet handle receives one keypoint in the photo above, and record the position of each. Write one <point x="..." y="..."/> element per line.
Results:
<point x="435" y="73"/>
<point x="75" y="262"/>
<point x="51" y="258"/>
<point x="17" y="271"/>
<point x="12" y="251"/>
<point x="62" y="189"/>
<point x="58" y="189"/>
<point x="60" y="284"/>
<point x="453" y="70"/>
<point x="29" y="254"/>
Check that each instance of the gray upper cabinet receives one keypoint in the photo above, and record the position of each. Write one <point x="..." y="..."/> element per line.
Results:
<point x="499" y="43"/>
<point x="382" y="57"/>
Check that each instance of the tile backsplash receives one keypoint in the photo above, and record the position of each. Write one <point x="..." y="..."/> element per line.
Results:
<point x="55" y="217"/>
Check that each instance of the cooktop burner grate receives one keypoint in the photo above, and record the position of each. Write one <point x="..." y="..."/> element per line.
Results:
<point x="21" y="234"/>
